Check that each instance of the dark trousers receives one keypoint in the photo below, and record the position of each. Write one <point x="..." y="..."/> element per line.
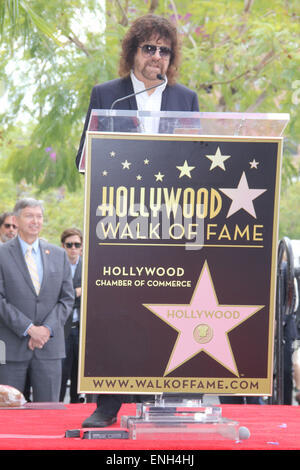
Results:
<point x="235" y="400"/>
<point x="70" y="366"/>
<point x="110" y="404"/>
<point x="43" y="375"/>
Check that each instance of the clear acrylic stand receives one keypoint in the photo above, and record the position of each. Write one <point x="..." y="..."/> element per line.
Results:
<point x="179" y="419"/>
<point x="175" y="122"/>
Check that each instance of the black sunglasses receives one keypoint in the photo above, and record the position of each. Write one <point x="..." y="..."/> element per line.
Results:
<point x="10" y="225"/>
<point x="69" y="245"/>
<point x="149" y="50"/>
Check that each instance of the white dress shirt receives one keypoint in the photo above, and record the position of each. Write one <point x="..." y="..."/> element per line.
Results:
<point x="149" y="103"/>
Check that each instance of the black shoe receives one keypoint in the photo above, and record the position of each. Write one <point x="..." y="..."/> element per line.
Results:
<point x="97" y="420"/>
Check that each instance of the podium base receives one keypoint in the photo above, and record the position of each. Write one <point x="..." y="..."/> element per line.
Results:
<point x="183" y="420"/>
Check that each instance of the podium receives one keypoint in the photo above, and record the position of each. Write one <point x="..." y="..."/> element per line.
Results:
<point x="179" y="262"/>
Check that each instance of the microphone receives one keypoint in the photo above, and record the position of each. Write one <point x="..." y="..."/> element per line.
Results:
<point x="158" y="76"/>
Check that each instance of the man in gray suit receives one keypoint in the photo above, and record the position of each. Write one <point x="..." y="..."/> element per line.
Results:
<point x="36" y="298"/>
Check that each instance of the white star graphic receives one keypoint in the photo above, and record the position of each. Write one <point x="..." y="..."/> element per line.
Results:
<point x="218" y="159"/>
<point x="242" y="197"/>
<point x="146" y="161"/>
<point x="185" y="169"/>
<point x="112" y="154"/>
<point x="253" y="164"/>
<point x="126" y="165"/>
<point x="159" y="176"/>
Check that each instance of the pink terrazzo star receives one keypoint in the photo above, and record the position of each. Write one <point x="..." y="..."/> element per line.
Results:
<point x="203" y="325"/>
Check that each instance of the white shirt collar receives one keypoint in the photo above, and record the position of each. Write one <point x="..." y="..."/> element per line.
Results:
<point x="151" y="103"/>
<point x="138" y="85"/>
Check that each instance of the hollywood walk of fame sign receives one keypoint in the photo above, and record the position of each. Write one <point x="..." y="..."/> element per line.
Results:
<point x="179" y="264"/>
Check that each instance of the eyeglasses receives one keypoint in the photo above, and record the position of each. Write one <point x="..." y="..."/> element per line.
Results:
<point x="148" y="50"/>
<point x="69" y="245"/>
<point x="10" y="225"/>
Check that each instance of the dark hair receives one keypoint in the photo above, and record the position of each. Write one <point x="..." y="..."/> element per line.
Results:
<point x="3" y="217"/>
<point x="142" y="30"/>
<point x="70" y="232"/>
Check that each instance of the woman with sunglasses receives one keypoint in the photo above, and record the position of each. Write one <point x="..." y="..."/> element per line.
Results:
<point x="149" y="58"/>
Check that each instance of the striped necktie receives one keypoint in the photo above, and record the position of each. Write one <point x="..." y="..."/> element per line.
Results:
<point x="32" y="267"/>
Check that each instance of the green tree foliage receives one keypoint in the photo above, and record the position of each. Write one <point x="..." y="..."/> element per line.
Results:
<point x="239" y="55"/>
<point x="289" y="216"/>
<point x="63" y="209"/>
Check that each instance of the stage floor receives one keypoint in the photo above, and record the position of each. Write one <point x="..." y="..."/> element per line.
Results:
<point x="271" y="427"/>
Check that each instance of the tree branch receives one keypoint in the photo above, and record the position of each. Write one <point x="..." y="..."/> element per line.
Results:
<point x="153" y="6"/>
<point x="225" y="82"/>
<point x="269" y="57"/>
<point x="248" y="5"/>
<point x="174" y="8"/>
<point x="74" y="39"/>
<point x="258" y="101"/>
<point x="124" y="20"/>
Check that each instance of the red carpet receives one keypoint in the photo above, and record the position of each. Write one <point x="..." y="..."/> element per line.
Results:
<point x="272" y="427"/>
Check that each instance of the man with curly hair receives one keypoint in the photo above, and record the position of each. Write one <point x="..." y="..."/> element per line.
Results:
<point x="151" y="48"/>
